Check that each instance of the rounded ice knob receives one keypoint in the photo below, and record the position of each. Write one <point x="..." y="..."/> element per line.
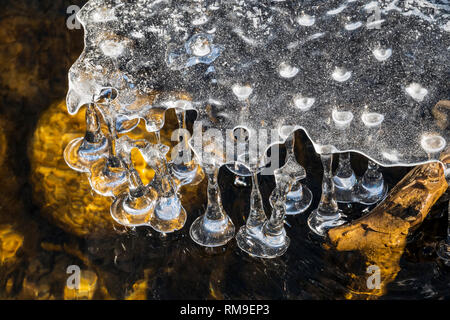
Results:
<point x="341" y="74"/>
<point x="342" y="118"/>
<point x="200" y="47"/>
<point x="382" y="54"/>
<point x="287" y="71"/>
<point x="372" y="119"/>
<point x="416" y="91"/>
<point x="303" y="103"/>
<point x="306" y="20"/>
<point x="242" y="92"/>
<point x="432" y="143"/>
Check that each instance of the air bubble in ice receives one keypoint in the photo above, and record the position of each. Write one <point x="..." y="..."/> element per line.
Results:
<point x="374" y="24"/>
<point x="353" y="26"/>
<point x="337" y="10"/>
<point x="447" y="26"/>
<point x="103" y="15"/>
<point x="306" y="20"/>
<point x="200" y="20"/>
<point x="316" y="35"/>
<point x="303" y="103"/>
<point x="182" y="104"/>
<point x="112" y="48"/>
<point x="287" y="71"/>
<point x="341" y="74"/>
<point x="432" y="143"/>
<point x="382" y="54"/>
<point x="372" y="119"/>
<point x="200" y="46"/>
<point x="342" y="118"/>
<point x="416" y="91"/>
<point x="242" y="92"/>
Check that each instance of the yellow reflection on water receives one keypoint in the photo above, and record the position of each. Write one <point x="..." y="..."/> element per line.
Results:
<point x="64" y="195"/>
<point x="86" y="288"/>
<point x="10" y="243"/>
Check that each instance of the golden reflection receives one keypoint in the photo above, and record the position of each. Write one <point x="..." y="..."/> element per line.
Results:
<point x="139" y="289"/>
<point x="10" y="243"/>
<point x="64" y="195"/>
<point x="87" y="287"/>
<point x="38" y="291"/>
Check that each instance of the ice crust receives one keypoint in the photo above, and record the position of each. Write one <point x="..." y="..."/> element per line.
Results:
<point x="280" y="65"/>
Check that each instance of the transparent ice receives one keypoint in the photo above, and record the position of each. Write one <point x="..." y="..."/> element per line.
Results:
<point x="354" y="75"/>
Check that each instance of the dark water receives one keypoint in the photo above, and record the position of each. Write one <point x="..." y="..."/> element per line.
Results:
<point x="37" y="50"/>
<point x="307" y="271"/>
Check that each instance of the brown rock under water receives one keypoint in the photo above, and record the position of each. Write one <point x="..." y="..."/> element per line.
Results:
<point x="381" y="235"/>
<point x="441" y="112"/>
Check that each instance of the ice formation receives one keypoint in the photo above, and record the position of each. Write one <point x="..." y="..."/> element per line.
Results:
<point x="269" y="64"/>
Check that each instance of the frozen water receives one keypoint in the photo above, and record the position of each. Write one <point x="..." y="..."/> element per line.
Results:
<point x="416" y="91"/>
<point x="306" y="20"/>
<point x="382" y="54"/>
<point x="273" y="64"/>
<point x="433" y="143"/>
<point x="303" y="103"/>
<point x="372" y="119"/>
<point x="342" y="118"/>
<point x="341" y="74"/>
<point x="287" y="71"/>
<point x="242" y="92"/>
<point x="112" y="48"/>
<point x="353" y="26"/>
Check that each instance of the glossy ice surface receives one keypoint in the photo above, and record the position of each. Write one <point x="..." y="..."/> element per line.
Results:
<point x="355" y="75"/>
